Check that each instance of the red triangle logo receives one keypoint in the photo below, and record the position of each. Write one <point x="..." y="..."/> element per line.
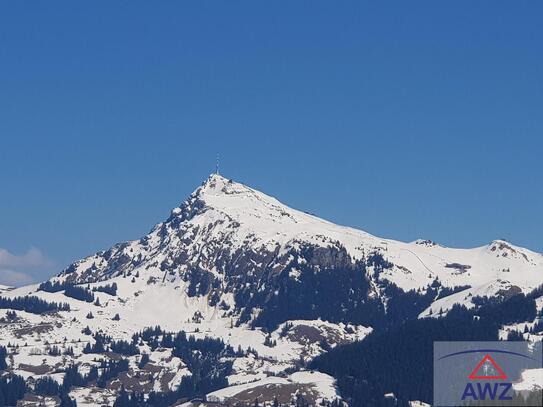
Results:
<point x="500" y="376"/>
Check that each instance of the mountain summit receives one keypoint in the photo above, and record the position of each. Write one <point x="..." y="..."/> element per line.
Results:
<point x="235" y="245"/>
<point x="259" y="286"/>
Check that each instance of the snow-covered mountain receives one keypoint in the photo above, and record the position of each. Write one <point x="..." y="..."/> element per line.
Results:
<point x="279" y="284"/>
<point x="227" y="235"/>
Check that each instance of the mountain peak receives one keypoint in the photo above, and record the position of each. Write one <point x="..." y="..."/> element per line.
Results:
<point x="214" y="184"/>
<point x="231" y="197"/>
<point x="214" y="176"/>
<point x="223" y="219"/>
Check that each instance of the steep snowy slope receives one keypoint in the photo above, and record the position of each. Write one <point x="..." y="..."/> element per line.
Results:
<point x="226" y="228"/>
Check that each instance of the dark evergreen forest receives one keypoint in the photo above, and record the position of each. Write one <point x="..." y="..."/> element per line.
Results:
<point x="398" y="359"/>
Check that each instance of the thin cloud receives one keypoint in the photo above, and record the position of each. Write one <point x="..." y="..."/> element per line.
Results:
<point x="33" y="258"/>
<point x="18" y="270"/>
<point x="14" y="278"/>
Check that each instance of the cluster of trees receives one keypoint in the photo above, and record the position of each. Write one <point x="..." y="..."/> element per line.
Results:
<point x="403" y="305"/>
<point x="11" y="316"/>
<point x="517" y="308"/>
<point x="299" y="401"/>
<point x="99" y="345"/>
<point x="149" y="334"/>
<point x="12" y="388"/>
<point x="75" y="291"/>
<point x="378" y="262"/>
<point x="515" y="336"/>
<point x="50" y="287"/>
<point x="110" y="289"/>
<point x="48" y="387"/>
<point x="154" y="399"/>
<point x="209" y="361"/>
<point x="336" y="293"/>
<point x="32" y="304"/>
<point x="153" y="336"/>
<point x="143" y="361"/>
<point x="206" y="360"/>
<point x="537" y="328"/>
<point x="518" y="335"/>
<point x="3" y="355"/>
<point x="399" y="359"/>
<point x="125" y="399"/>
<point x="124" y="348"/>
<point x="108" y="370"/>
<point x="285" y="329"/>
<point x="129" y="400"/>
<point x="536" y="292"/>
<point x="79" y="293"/>
<point x="54" y="351"/>
<point x="446" y="291"/>
<point x="73" y="378"/>
<point x="103" y="343"/>
<point x="268" y="341"/>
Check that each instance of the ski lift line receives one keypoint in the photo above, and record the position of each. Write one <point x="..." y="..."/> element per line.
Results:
<point x="421" y="262"/>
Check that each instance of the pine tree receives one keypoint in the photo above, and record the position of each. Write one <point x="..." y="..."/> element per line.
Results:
<point x="143" y="361"/>
<point x="122" y="399"/>
<point x="3" y="355"/>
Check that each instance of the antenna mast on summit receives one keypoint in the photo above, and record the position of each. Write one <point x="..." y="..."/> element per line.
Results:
<point x="217" y="165"/>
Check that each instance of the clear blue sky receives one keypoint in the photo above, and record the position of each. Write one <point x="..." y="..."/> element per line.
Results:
<point x="406" y="119"/>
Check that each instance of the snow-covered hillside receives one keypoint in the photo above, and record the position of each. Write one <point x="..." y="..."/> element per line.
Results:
<point x="223" y="221"/>
<point x="279" y="284"/>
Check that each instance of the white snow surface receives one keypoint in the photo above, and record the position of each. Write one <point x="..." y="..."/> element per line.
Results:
<point x="5" y="288"/>
<point x="323" y="383"/>
<point x="531" y="379"/>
